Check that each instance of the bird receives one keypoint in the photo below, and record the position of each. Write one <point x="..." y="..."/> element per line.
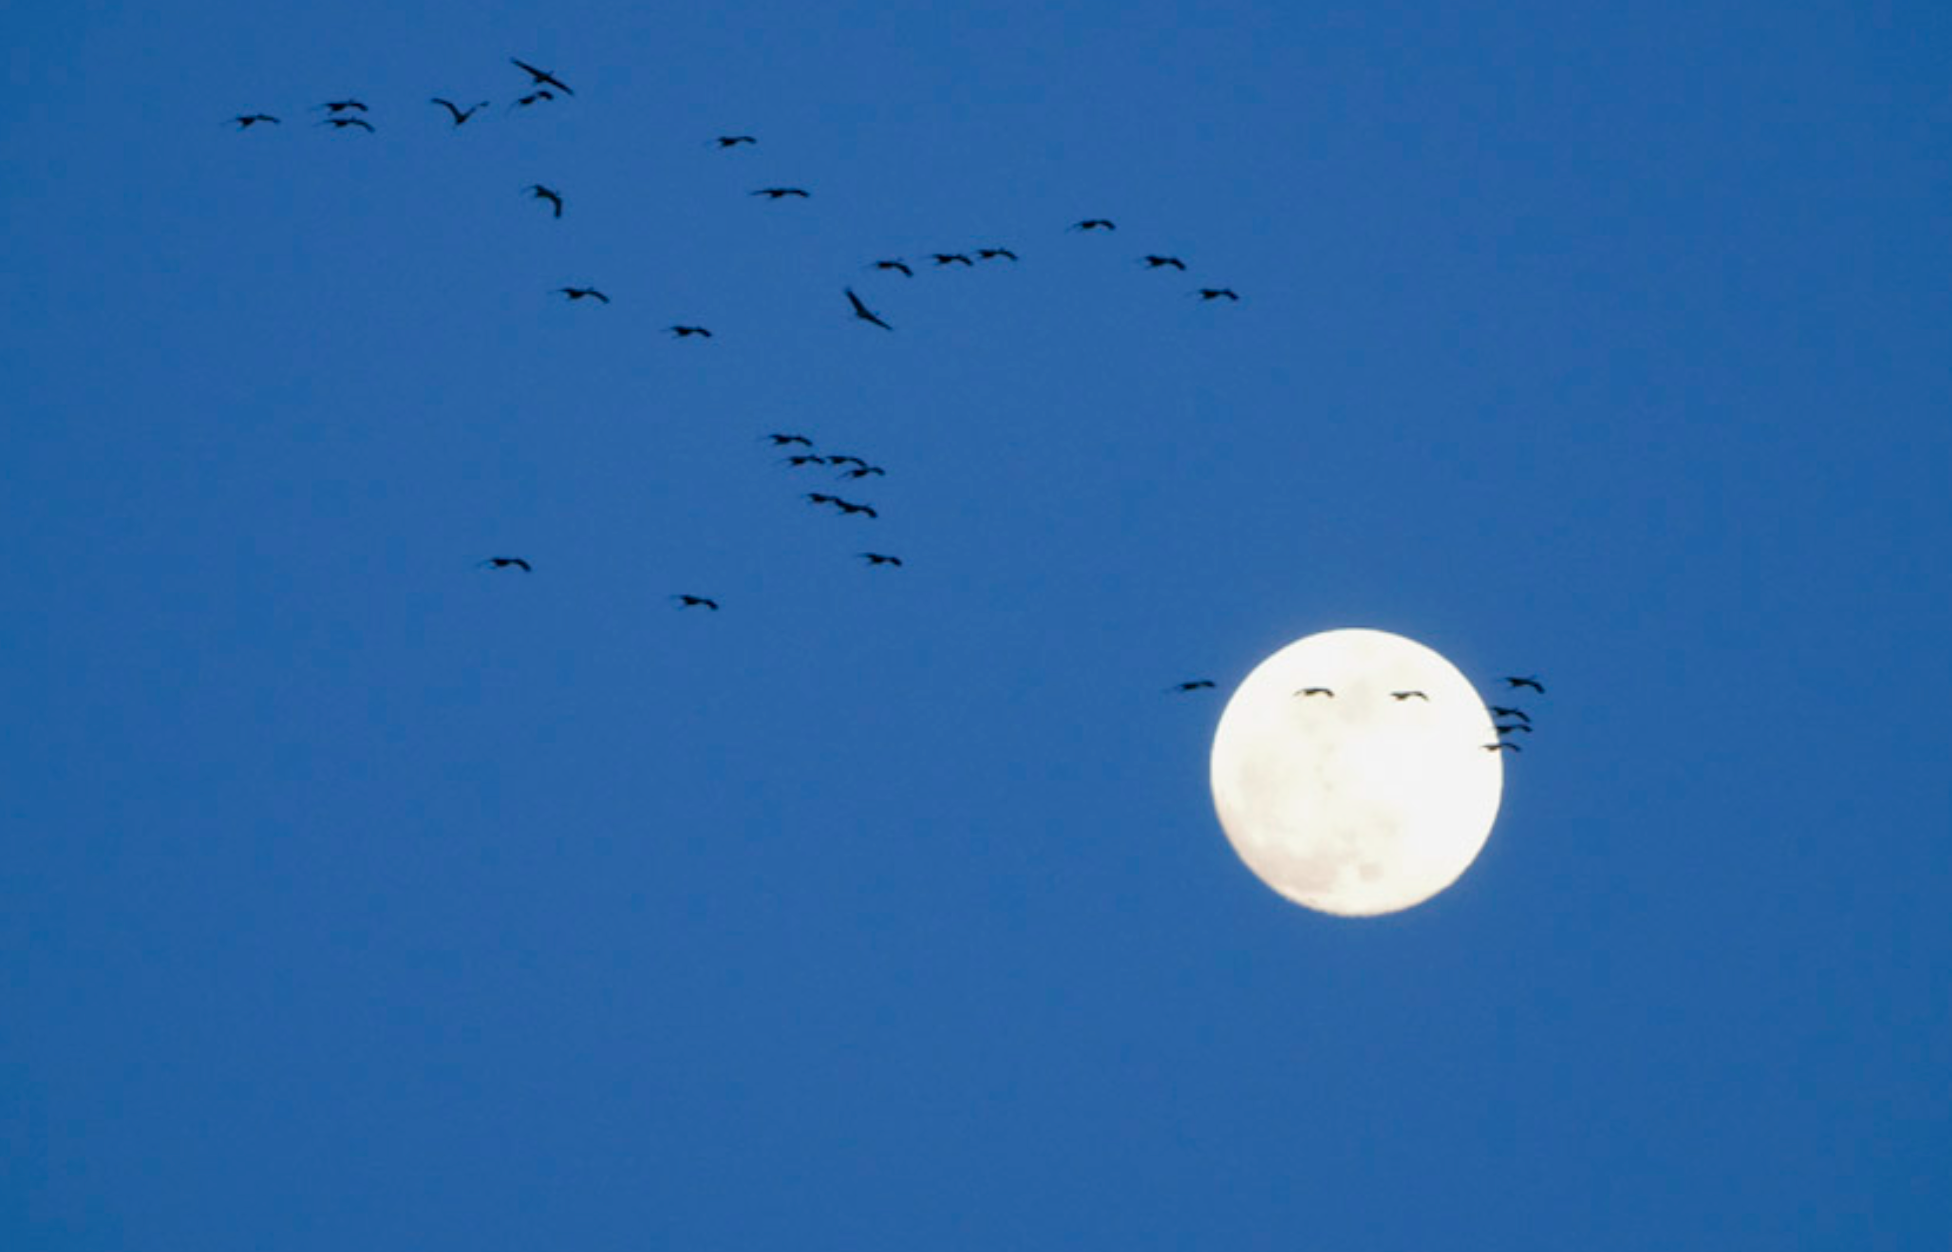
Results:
<point x="1508" y="729"/>
<point x="1498" y="710"/>
<point x="882" y="558"/>
<point x="461" y="115"/>
<point x="1094" y="223"/>
<point x="682" y="331"/>
<point x="577" y="293"/>
<point x="1530" y="680"/>
<point x="865" y="471"/>
<point x="863" y="312"/>
<point x="851" y="509"/>
<point x="340" y="106"/>
<point x="543" y="78"/>
<point x="1219" y="293"/>
<point x="247" y="120"/>
<point x="991" y="254"/>
<point x="1405" y="695"/>
<point x="844" y="458"/>
<point x="1153" y="262"/>
<point x="1316" y="691"/>
<point x="503" y="562"/>
<point x="547" y="193"/>
<point x="692" y="602"/>
<point x="1196" y="684"/>
<point x="805" y="459"/>
<point x="340" y="123"/>
<point x="895" y="264"/>
<point x="532" y="98"/>
<point x="817" y="497"/>
<point x="780" y="193"/>
<point x="733" y="141"/>
<point x="950" y="258"/>
<point x="782" y="441"/>
<point x="1502" y="747"/>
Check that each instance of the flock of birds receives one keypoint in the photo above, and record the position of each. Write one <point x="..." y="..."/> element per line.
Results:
<point x="1506" y="719"/>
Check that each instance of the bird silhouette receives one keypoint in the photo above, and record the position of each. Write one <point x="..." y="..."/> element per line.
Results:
<point x="863" y="312"/>
<point x="692" y="602"/>
<point x="866" y="471"/>
<point x="1219" y="293"/>
<point x="247" y="120"/>
<point x="543" y="78"/>
<point x="1498" y="710"/>
<point x="798" y="461"/>
<point x="851" y="509"/>
<point x="1405" y="695"/>
<point x="534" y="97"/>
<point x="782" y="441"/>
<point x="897" y="264"/>
<point x="733" y="141"/>
<point x="882" y="558"/>
<point x="503" y="562"/>
<point x="461" y="115"/>
<point x="578" y="293"/>
<point x="1316" y="691"/>
<point x="340" y="123"/>
<point x="1197" y="684"/>
<point x="991" y="254"/>
<point x="780" y="193"/>
<point x="950" y="258"/>
<point x="547" y="193"/>
<point x="1514" y="726"/>
<point x="1530" y="680"/>
<point x="1094" y="223"/>
<point x="1153" y="262"/>
<point x="844" y="458"/>
<point x="340" y="106"/>
<point x="816" y="497"/>
<point x="1502" y="747"/>
<point x="682" y="331"/>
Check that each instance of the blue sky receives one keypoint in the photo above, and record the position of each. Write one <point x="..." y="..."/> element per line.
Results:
<point x="359" y="896"/>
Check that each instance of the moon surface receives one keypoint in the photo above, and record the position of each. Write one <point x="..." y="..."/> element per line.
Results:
<point x="1357" y="803"/>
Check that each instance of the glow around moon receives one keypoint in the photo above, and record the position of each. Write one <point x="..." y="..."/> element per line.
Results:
<point x="1356" y="803"/>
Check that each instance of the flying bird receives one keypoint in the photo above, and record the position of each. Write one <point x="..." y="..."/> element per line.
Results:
<point x="950" y="258"/>
<point x="1502" y="747"/>
<point x="882" y="558"/>
<point x="340" y="106"/>
<point x="1506" y="730"/>
<point x="1153" y="262"/>
<point x="782" y="441"/>
<point x="733" y="141"/>
<point x="1498" y="710"/>
<point x="1219" y="293"/>
<point x="851" y="509"/>
<point x="1405" y="695"/>
<point x="1196" y="684"/>
<point x="503" y="562"/>
<point x="692" y="602"/>
<point x="461" y="115"/>
<point x="896" y="264"/>
<point x="844" y="458"/>
<point x="991" y="254"/>
<point x="780" y="193"/>
<point x="682" y="331"/>
<point x="865" y="471"/>
<point x="1093" y="223"/>
<point x="543" y="78"/>
<point x="1316" y="691"/>
<point x="577" y="293"/>
<point x="247" y="120"/>
<point x="532" y="98"/>
<point x="1530" y="680"/>
<point x="340" y="123"/>
<point x="547" y="193"/>
<point x="863" y="312"/>
<point x="816" y="497"/>
<point x="797" y="461"/>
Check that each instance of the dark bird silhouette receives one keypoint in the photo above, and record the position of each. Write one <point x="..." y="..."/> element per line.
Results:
<point x="897" y="264"/>
<point x="816" y="497"/>
<point x="991" y="254"/>
<point x="547" y="193"/>
<point x="682" y="331"/>
<point x="340" y="106"/>
<point x="1405" y="695"/>
<point x="340" y="123"/>
<point x="1093" y="223"/>
<point x="503" y="562"/>
<point x="950" y="258"/>
<point x="866" y="471"/>
<point x="1530" y="680"/>
<point x="692" y="602"/>
<point x="851" y="509"/>
<point x="780" y="193"/>
<point x="534" y="97"/>
<point x="863" y="312"/>
<point x="733" y="141"/>
<point x="1153" y="262"/>
<point x="543" y="78"/>
<point x="1498" y="710"/>
<point x="461" y="115"/>
<point x="1316" y="691"/>
<point x="782" y="441"/>
<point x="1502" y="747"/>
<point x="798" y="461"/>
<point x="1506" y="730"/>
<point x="578" y="293"/>
<point x="1219" y="293"/>
<point x="247" y="120"/>
<point x="1197" y="684"/>
<point x="844" y="458"/>
<point x="882" y="558"/>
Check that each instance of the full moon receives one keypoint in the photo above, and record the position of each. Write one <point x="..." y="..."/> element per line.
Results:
<point x="1350" y="772"/>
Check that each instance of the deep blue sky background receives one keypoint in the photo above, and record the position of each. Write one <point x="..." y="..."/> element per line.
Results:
<point x="356" y="897"/>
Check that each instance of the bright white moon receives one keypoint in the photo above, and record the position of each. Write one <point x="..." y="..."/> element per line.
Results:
<point x="1356" y="803"/>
